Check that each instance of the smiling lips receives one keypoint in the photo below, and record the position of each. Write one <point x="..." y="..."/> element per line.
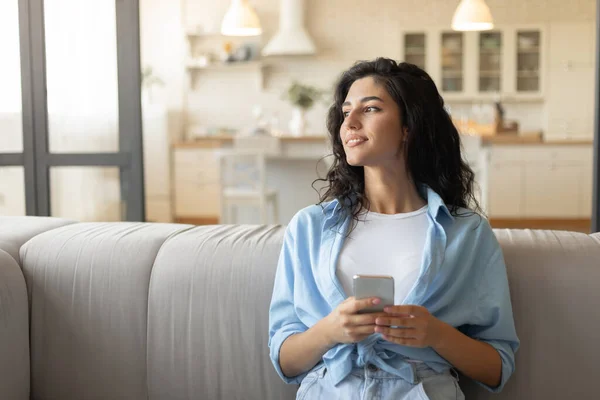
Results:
<point x="354" y="140"/>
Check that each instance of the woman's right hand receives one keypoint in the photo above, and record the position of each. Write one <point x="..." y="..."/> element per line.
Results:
<point x="345" y="325"/>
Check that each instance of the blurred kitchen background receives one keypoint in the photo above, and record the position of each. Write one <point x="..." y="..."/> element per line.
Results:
<point x="234" y="95"/>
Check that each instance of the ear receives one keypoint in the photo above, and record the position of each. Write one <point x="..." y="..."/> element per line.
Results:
<point x="404" y="133"/>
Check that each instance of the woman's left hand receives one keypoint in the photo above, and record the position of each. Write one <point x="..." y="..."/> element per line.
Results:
<point x="416" y="327"/>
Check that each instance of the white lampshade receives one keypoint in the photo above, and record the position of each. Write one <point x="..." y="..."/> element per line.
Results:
<point x="472" y="15"/>
<point x="241" y="20"/>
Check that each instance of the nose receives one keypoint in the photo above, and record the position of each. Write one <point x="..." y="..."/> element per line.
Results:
<point x="352" y="122"/>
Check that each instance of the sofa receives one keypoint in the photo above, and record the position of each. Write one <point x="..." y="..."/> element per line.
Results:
<point x="169" y="311"/>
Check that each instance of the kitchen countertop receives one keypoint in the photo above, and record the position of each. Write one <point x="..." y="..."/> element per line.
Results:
<point x="218" y="140"/>
<point x="524" y="138"/>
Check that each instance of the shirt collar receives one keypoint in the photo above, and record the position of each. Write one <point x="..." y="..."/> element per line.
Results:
<point x="434" y="202"/>
<point x="435" y="205"/>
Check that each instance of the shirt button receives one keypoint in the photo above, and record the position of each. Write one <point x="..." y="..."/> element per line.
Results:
<point x="372" y="368"/>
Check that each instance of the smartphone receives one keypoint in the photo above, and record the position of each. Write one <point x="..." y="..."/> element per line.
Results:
<point x="380" y="286"/>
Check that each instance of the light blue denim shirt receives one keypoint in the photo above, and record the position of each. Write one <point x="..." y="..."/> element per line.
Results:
<point x="462" y="282"/>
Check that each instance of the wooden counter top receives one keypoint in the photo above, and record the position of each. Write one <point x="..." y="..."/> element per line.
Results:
<point x="524" y="138"/>
<point x="218" y="141"/>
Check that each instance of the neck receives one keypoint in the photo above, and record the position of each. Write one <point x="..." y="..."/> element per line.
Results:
<point x="391" y="191"/>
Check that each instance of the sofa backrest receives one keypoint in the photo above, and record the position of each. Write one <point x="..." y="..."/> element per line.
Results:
<point x="155" y="311"/>
<point x="554" y="279"/>
<point x="15" y="231"/>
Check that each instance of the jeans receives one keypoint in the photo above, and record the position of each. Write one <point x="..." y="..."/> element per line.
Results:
<point x="371" y="383"/>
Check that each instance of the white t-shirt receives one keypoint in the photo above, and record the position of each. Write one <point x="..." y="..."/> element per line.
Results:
<point x="383" y="244"/>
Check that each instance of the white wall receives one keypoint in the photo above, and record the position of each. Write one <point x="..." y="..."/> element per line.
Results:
<point x="344" y="31"/>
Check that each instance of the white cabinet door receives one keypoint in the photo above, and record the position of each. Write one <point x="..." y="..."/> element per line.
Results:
<point x="552" y="190"/>
<point x="570" y="101"/>
<point x="197" y="188"/>
<point x="158" y="210"/>
<point x="571" y="43"/>
<point x="505" y="190"/>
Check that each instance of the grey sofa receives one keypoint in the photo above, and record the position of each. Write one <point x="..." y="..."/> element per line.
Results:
<point x="165" y="311"/>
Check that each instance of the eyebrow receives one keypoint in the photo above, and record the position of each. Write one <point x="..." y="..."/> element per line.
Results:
<point x="363" y="100"/>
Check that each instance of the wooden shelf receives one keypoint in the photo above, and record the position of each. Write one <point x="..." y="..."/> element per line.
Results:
<point x="490" y="51"/>
<point x="234" y="66"/>
<point x="532" y="50"/>
<point x="258" y="66"/>
<point x="527" y="74"/>
<point x="490" y="74"/>
<point x="449" y="74"/>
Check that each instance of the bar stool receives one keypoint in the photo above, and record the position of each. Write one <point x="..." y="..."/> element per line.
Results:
<point x="244" y="179"/>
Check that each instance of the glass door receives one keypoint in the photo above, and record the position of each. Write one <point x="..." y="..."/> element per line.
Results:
<point x="490" y="61"/>
<point x="414" y="49"/>
<point x="528" y="61"/>
<point x="452" y="62"/>
<point x="81" y="111"/>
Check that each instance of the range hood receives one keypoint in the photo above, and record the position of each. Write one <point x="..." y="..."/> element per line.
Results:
<point x="291" y="38"/>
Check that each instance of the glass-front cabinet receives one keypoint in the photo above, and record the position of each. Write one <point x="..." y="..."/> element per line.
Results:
<point x="490" y="62"/>
<point x="528" y="61"/>
<point x="415" y="49"/>
<point x="452" y="57"/>
<point x="473" y="66"/>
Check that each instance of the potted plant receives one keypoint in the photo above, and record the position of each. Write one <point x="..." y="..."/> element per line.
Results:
<point x="149" y="80"/>
<point x="302" y="97"/>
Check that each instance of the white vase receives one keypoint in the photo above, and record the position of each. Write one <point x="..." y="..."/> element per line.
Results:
<point x="298" y="122"/>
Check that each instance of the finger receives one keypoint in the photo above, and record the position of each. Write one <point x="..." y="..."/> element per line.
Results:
<point x="363" y="330"/>
<point x="403" y="341"/>
<point x="358" y="333"/>
<point x="355" y="306"/>
<point x="416" y="311"/>
<point x="405" y="333"/>
<point x="394" y="321"/>
<point x="365" y="319"/>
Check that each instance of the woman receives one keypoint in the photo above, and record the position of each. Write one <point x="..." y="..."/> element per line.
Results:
<point x="397" y="203"/>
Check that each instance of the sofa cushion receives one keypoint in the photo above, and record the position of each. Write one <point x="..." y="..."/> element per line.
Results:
<point x="88" y="289"/>
<point x="15" y="231"/>
<point x="208" y="315"/>
<point x="14" y="331"/>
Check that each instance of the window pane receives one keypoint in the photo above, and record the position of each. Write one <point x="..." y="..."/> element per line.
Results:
<point x="85" y="193"/>
<point x="12" y="191"/>
<point x="81" y="62"/>
<point x="11" y="125"/>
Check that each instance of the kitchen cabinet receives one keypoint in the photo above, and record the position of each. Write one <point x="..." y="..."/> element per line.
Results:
<point x="551" y="190"/>
<point x="471" y="66"/>
<point x="196" y="181"/>
<point x="570" y="100"/>
<point x="544" y="181"/>
<point x="415" y="49"/>
<point x="505" y="190"/>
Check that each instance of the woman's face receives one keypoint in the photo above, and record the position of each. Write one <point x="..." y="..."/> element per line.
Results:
<point x="372" y="131"/>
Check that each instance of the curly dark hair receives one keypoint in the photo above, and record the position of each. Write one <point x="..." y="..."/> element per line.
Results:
<point x="433" y="148"/>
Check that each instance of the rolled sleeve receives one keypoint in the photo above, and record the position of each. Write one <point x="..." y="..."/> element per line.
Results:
<point x="275" y="343"/>
<point x="283" y="320"/>
<point x="495" y="322"/>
